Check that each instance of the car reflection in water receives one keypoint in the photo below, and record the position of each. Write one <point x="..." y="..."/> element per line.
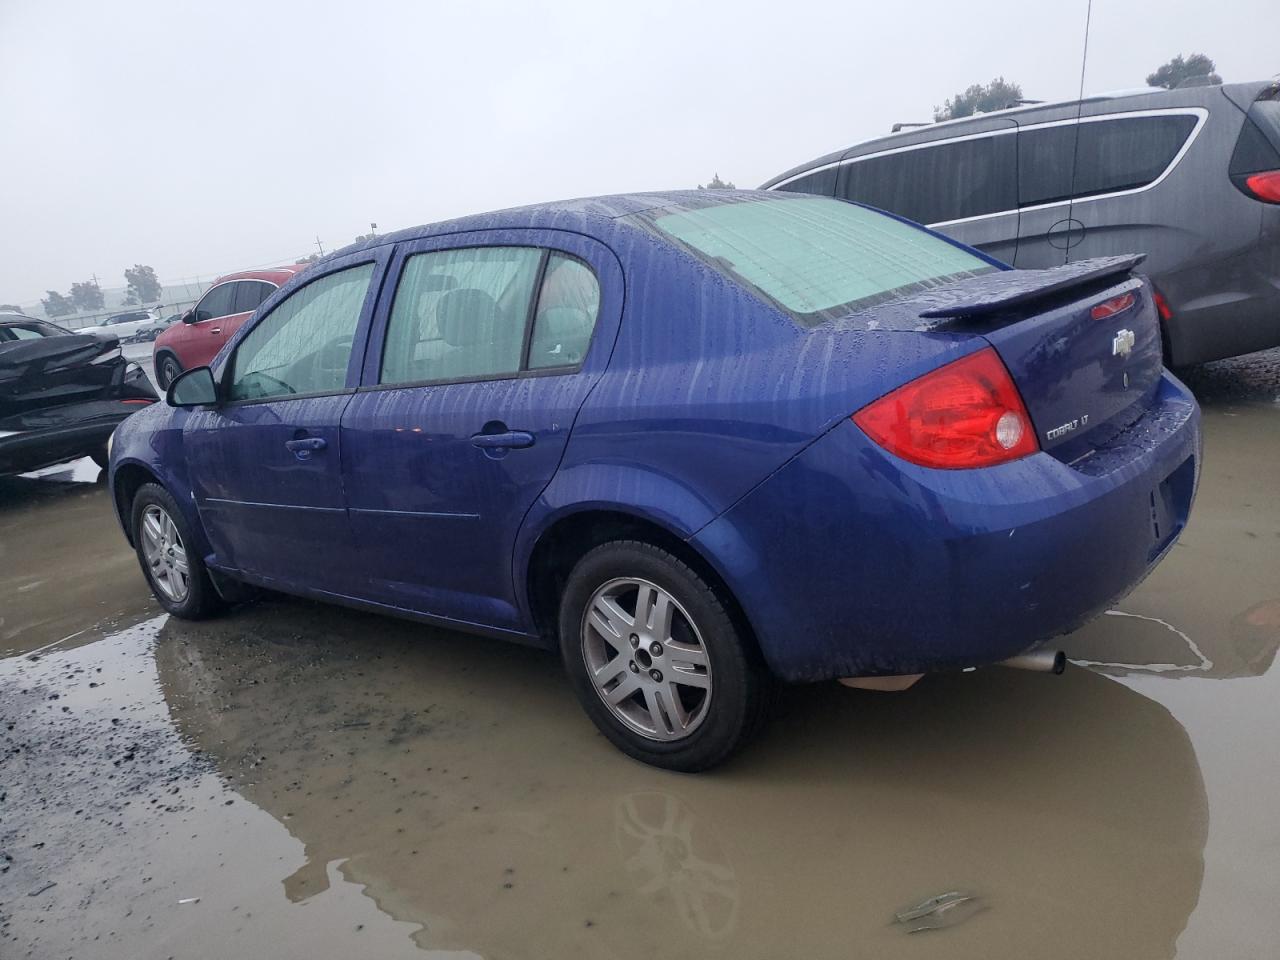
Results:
<point x="456" y="781"/>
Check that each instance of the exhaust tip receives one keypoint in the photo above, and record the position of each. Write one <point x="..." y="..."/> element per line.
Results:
<point x="1041" y="661"/>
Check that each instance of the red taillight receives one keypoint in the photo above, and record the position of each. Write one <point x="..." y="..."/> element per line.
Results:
<point x="966" y="414"/>
<point x="1264" y="186"/>
<point x="1162" y="306"/>
<point x="1109" y="308"/>
<point x="137" y="400"/>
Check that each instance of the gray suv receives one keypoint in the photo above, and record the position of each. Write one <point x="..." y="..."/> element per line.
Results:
<point x="1191" y="177"/>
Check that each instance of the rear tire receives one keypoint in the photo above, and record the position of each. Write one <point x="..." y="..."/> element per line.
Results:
<point x="167" y="368"/>
<point x="177" y="576"/>
<point x="656" y="659"/>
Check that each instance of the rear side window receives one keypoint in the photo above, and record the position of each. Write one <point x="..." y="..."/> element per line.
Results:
<point x="217" y="302"/>
<point x="936" y="184"/>
<point x="1258" y="147"/>
<point x="816" y="258"/>
<point x="1112" y="155"/>
<point x="460" y="314"/>
<point x="250" y="293"/>
<point x="821" y="182"/>
<point x="568" y="303"/>
<point x="303" y="346"/>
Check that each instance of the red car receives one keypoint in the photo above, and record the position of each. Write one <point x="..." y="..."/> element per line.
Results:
<point x="210" y="323"/>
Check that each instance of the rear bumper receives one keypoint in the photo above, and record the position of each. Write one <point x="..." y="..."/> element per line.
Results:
<point x="850" y="562"/>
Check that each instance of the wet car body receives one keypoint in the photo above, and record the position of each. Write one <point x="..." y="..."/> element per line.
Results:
<point x="707" y="421"/>
<point x="754" y="464"/>
<point x="62" y="395"/>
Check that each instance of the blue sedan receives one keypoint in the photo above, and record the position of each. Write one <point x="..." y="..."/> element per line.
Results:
<point x="699" y="442"/>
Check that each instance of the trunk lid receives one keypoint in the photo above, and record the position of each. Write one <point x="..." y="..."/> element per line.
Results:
<point x="1083" y="378"/>
<point x="54" y="371"/>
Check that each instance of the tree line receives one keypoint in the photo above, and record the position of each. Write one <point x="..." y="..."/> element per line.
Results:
<point x="143" y="286"/>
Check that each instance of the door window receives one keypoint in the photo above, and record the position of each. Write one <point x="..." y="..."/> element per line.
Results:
<point x="936" y="184"/>
<point x="250" y="293"/>
<point x="460" y="314"/>
<point x="1112" y="155"/>
<point x="303" y="346"/>
<point x="217" y="302"/>
<point x="567" y="306"/>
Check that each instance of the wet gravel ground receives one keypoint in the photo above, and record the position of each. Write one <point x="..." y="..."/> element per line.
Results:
<point x="294" y="780"/>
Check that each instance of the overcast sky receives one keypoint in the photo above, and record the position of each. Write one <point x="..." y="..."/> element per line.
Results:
<point x="205" y="138"/>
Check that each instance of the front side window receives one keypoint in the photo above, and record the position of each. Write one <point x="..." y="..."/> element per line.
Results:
<point x="1111" y="155"/>
<point x="303" y="346"/>
<point x="935" y="184"/>
<point x="217" y="302"/>
<point x="460" y="314"/>
<point x="568" y="303"/>
<point x="815" y="258"/>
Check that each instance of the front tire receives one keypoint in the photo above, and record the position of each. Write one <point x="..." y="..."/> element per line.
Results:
<point x="167" y="369"/>
<point x="177" y="576"/>
<point x="656" y="659"/>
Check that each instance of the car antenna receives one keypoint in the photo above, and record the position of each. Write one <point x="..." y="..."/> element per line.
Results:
<point x="1075" y="147"/>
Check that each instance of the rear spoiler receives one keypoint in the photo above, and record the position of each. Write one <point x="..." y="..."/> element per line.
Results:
<point x="1007" y="289"/>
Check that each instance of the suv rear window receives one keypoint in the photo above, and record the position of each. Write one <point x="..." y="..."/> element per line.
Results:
<point x="816" y="258"/>
<point x="1258" y="147"/>
<point x="1112" y="155"/>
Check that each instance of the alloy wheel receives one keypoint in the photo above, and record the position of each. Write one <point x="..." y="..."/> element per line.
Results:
<point x="165" y="553"/>
<point x="646" y="659"/>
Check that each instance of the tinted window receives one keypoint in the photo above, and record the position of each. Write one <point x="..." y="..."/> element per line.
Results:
<point x="29" y="331"/>
<point x="250" y="293"/>
<point x="935" y="184"/>
<point x="304" y="344"/>
<point x="566" y="314"/>
<point x="1112" y="155"/>
<point x="1258" y="147"/>
<point x="822" y="182"/>
<point x="460" y="314"/>
<point x="217" y="302"/>
<point x="814" y="257"/>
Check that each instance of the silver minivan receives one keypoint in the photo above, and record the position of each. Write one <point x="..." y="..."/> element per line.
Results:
<point x="1190" y="177"/>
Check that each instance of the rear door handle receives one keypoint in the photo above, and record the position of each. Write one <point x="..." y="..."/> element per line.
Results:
<point x="508" y="440"/>
<point x="304" y="447"/>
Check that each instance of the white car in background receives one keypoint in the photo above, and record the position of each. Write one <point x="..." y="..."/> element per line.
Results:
<point x="129" y="326"/>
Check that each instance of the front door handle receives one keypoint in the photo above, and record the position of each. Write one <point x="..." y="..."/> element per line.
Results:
<point x="215" y="330"/>
<point x="305" y="446"/>
<point x="512" y="439"/>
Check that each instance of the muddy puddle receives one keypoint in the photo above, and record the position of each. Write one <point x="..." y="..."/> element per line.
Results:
<point x="302" y="781"/>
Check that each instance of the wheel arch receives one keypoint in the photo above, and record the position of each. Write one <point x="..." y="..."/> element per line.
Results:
<point x="572" y="535"/>
<point x="127" y="480"/>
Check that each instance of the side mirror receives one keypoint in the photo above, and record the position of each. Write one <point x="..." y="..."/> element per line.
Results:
<point x="193" y="388"/>
<point x="189" y="316"/>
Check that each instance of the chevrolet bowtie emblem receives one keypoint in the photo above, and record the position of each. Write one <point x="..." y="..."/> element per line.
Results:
<point x="1122" y="345"/>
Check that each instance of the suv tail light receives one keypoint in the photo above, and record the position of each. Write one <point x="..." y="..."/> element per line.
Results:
<point x="966" y="414"/>
<point x="1264" y="186"/>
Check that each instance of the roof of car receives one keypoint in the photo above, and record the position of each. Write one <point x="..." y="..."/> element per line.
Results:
<point x="1146" y="98"/>
<point x="573" y="215"/>
<point x="277" y="275"/>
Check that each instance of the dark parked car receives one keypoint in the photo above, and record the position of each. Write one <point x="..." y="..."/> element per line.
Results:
<point x="1190" y="177"/>
<point x="698" y="441"/>
<point x="61" y="394"/>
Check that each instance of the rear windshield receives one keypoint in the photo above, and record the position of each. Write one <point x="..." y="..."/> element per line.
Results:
<point x="816" y="258"/>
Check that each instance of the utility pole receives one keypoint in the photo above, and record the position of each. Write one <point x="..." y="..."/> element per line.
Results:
<point x="318" y="246"/>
